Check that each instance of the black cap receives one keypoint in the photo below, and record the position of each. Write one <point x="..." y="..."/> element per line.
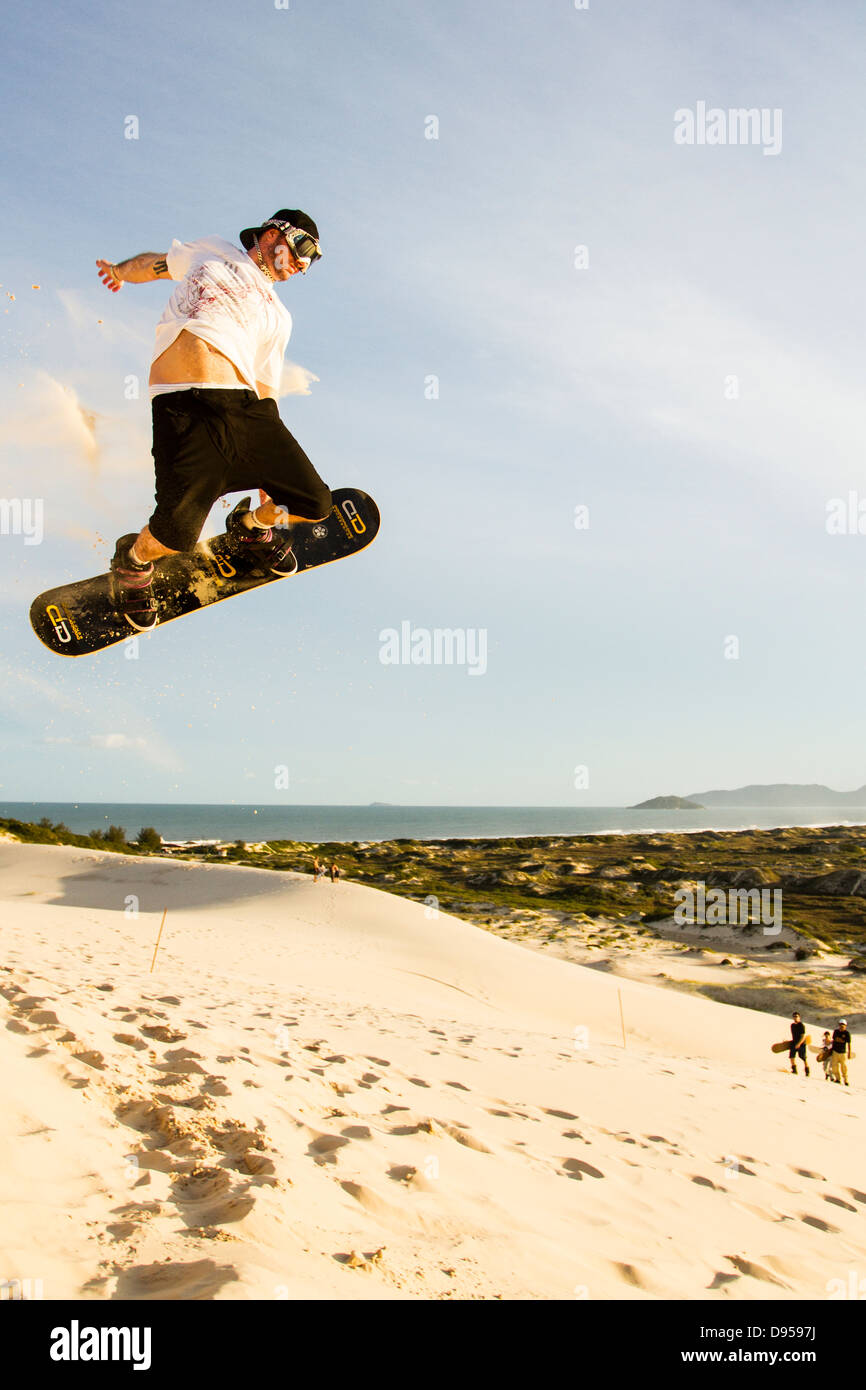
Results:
<point x="294" y="215"/>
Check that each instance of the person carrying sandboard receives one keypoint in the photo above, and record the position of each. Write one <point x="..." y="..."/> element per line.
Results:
<point x="798" y="1044"/>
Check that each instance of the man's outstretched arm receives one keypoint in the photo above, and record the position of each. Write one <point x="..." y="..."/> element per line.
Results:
<point x="138" y="270"/>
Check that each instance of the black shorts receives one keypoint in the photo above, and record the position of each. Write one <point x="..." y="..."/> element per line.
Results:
<point x="210" y="442"/>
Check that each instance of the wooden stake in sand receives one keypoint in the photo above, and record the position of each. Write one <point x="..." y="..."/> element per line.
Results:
<point x="621" y="1018"/>
<point x="156" y="947"/>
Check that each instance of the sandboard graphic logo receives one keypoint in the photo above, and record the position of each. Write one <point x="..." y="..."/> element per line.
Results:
<point x="225" y="569"/>
<point x="61" y="622"/>
<point x="353" y="516"/>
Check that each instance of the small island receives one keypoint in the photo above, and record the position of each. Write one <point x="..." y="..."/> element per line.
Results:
<point x="667" y="803"/>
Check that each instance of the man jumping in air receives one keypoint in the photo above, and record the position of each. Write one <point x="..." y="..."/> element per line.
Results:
<point x="214" y="382"/>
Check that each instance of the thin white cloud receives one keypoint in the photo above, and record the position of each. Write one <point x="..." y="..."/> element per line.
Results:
<point x="662" y="353"/>
<point x="117" y="741"/>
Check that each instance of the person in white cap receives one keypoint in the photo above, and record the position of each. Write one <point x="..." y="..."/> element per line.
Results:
<point x="841" y="1051"/>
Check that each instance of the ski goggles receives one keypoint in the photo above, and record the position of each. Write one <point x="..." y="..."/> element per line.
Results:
<point x="304" y="248"/>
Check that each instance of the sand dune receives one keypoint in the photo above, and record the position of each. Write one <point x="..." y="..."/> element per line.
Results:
<point x="323" y="1091"/>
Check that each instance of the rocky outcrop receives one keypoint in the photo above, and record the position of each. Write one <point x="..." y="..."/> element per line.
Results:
<point x="838" y="883"/>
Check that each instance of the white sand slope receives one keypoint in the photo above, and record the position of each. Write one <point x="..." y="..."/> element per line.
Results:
<point x="322" y="1091"/>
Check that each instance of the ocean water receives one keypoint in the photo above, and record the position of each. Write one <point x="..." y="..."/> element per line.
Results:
<point x="341" y="823"/>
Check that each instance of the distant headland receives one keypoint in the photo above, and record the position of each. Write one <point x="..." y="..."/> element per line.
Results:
<point x="667" y="803"/>
<point x="780" y="794"/>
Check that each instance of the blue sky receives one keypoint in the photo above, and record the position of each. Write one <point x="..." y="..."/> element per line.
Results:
<point x="606" y="386"/>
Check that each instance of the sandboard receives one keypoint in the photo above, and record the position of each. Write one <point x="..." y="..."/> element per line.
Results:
<point x="79" y="618"/>
<point x="786" y="1046"/>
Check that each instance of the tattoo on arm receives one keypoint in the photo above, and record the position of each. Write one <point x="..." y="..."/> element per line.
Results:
<point x="150" y="265"/>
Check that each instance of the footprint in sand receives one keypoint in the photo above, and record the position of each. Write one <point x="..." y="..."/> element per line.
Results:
<point x="462" y="1134"/>
<point x="324" y="1148"/>
<point x="204" y="1198"/>
<point x="820" y="1225"/>
<point x="160" y="1033"/>
<point x="576" y="1168"/>
<point x="215" y="1086"/>
<point x="243" y="1148"/>
<point x="92" y="1058"/>
<point x="122" y="1230"/>
<point x="755" y="1271"/>
<point x="738" y="1166"/>
<point x="202" y="1279"/>
<point x="630" y="1274"/>
<point x="130" y="1040"/>
<point x="838" y="1202"/>
<point x="561" y="1114"/>
<point x="402" y="1172"/>
<point x="181" y="1060"/>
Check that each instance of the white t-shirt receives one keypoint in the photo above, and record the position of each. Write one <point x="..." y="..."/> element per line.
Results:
<point x="225" y="299"/>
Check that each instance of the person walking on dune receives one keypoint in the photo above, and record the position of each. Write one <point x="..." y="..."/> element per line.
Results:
<point x="841" y="1051"/>
<point x="798" y="1047"/>
<point x="826" y="1054"/>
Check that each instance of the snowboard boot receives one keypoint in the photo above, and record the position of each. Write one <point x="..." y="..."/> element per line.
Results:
<point x="131" y="587"/>
<point x="264" y="547"/>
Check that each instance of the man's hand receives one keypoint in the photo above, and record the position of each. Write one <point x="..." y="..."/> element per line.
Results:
<point x="108" y="275"/>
